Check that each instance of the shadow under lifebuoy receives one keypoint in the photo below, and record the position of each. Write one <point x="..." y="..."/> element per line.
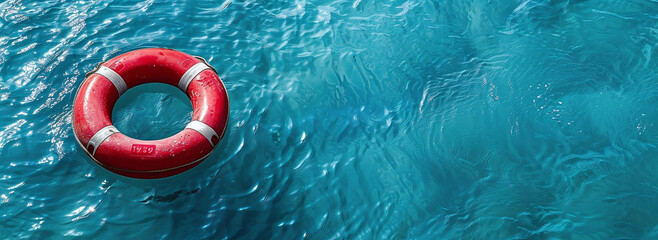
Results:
<point x="171" y="188"/>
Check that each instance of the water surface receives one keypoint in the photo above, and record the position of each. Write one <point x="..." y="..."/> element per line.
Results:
<point x="361" y="119"/>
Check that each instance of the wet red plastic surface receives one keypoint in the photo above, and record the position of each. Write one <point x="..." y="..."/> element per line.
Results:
<point x="158" y="158"/>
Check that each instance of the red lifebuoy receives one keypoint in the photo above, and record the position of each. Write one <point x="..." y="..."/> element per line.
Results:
<point x="92" y="122"/>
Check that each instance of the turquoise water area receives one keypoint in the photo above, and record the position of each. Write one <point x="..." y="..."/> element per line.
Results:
<point x="360" y="119"/>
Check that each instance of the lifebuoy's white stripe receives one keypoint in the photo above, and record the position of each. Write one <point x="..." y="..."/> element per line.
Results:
<point x="204" y="129"/>
<point x="100" y="136"/>
<point x="189" y="75"/>
<point x="114" y="77"/>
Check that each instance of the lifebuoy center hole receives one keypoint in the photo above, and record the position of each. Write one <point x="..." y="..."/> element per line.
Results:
<point x="152" y="111"/>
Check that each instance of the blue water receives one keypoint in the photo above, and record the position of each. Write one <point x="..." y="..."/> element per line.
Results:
<point x="360" y="119"/>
